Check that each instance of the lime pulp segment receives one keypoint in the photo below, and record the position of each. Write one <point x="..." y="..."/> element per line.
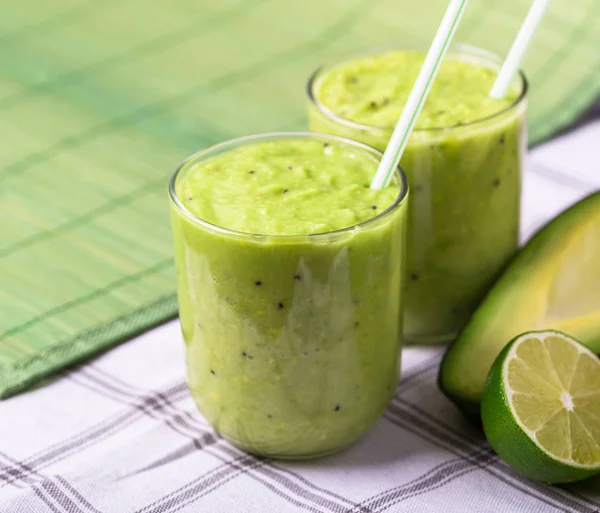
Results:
<point x="553" y="388"/>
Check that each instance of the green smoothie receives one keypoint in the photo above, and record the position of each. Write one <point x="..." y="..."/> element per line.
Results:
<point x="289" y="277"/>
<point x="463" y="162"/>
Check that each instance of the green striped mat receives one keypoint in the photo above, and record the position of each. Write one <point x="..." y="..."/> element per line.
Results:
<point x="99" y="101"/>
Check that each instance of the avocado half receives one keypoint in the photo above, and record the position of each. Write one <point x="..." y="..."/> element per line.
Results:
<point x="553" y="283"/>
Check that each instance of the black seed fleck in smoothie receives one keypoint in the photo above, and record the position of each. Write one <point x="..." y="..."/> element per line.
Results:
<point x="374" y="207"/>
<point x="496" y="182"/>
<point x="353" y="80"/>
<point x="356" y="324"/>
<point x="251" y="171"/>
<point x="414" y="276"/>
<point x="297" y="277"/>
<point x="337" y="407"/>
<point x="213" y="372"/>
<point x="285" y="191"/>
<point x="247" y="356"/>
<point x="289" y="168"/>
<point x="269" y="416"/>
<point x="190" y="198"/>
<point x="325" y="145"/>
<point x="280" y="305"/>
<point x="258" y="283"/>
<point x="372" y="104"/>
<point x="502" y="138"/>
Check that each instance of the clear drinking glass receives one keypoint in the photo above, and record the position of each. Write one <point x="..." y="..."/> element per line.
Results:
<point x="464" y="211"/>
<point x="292" y="342"/>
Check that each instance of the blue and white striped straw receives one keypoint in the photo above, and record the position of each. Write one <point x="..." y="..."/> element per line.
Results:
<point x="418" y="95"/>
<point x="518" y="49"/>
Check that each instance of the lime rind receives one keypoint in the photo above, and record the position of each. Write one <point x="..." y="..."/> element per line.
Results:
<point x="564" y="422"/>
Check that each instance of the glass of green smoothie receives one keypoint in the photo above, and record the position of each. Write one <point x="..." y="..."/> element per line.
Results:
<point x="463" y="161"/>
<point x="289" y="272"/>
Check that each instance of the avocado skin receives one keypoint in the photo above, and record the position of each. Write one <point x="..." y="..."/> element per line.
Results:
<point x="466" y="394"/>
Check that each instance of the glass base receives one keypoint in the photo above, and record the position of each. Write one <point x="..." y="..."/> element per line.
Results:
<point x="292" y="457"/>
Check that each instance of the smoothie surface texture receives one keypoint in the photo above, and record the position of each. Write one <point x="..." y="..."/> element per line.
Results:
<point x="373" y="90"/>
<point x="286" y="187"/>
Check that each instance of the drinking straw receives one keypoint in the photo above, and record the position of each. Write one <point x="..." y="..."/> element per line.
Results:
<point x="518" y="48"/>
<point x="418" y="94"/>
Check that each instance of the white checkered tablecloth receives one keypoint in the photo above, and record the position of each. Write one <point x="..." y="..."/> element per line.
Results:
<point x="122" y="435"/>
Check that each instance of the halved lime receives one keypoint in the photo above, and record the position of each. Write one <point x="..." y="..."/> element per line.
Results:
<point x="541" y="407"/>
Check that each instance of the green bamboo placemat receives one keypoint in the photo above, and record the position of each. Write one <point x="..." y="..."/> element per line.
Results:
<point x="100" y="100"/>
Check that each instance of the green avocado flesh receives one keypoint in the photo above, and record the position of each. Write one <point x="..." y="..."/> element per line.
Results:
<point x="553" y="283"/>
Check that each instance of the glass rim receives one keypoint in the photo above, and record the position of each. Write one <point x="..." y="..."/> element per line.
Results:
<point x="459" y="48"/>
<point x="249" y="139"/>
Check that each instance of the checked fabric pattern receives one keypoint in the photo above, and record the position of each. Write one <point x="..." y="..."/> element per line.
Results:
<point x="122" y="435"/>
